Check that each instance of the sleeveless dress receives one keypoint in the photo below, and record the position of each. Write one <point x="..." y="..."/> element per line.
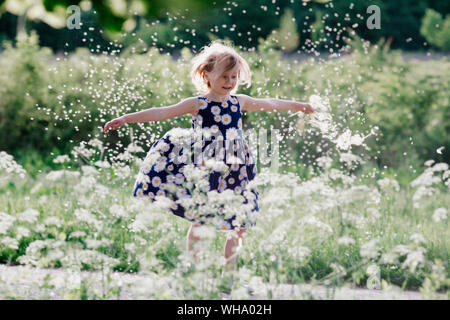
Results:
<point x="220" y="119"/>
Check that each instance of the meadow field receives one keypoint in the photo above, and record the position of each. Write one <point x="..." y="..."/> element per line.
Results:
<point x="360" y="197"/>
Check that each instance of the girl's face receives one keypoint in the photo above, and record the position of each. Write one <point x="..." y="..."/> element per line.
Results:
<point x="222" y="83"/>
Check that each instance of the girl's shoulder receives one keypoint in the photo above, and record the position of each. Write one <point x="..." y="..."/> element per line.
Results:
<point x="188" y="105"/>
<point x="243" y="99"/>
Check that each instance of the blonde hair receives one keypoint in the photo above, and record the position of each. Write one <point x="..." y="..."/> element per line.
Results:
<point x="212" y="55"/>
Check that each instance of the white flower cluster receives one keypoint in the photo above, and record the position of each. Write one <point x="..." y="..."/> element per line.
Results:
<point x="346" y="140"/>
<point x="314" y="221"/>
<point x="56" y="175"/>
<point x="370" y="249"/>
<point x="440" y="214"/>
<point x="181" y="135"/>
<point x="84" y="215"/>
<point x="83" y="151"/>
<point x="29" y="215"/>
<point x="8" y="164"/>
<point x="6" y="222"/>
<point x="386" y="184"/>
<point x="427" y="179"/>
<point x="61" y="159"/>
<point x="96" y="143"/>
<point x="132" y="147"/>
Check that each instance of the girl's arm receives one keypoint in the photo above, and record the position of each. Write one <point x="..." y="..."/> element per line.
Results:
<point x="189" y="105"/>
<point x="269" y="104"/>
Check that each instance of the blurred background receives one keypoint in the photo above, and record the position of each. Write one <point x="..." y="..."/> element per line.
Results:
<point x="386" y="66"/>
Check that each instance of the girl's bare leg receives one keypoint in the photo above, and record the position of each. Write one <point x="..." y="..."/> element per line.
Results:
<point x="192" y="241"/>
<point x="230" y="249"/>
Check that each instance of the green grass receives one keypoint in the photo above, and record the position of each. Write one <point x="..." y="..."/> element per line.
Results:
<point x="160" y="246"/>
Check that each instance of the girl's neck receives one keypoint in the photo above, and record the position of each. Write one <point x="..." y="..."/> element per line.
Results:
<point x="217" y="97"/>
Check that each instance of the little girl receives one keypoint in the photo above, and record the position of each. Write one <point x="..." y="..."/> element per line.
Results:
<point x="216" y="73"/>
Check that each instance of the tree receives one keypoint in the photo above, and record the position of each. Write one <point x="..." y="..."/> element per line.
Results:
<point x="436" y="29"/>
<point x="286" y="36"/>
<point x="114" y="15"/>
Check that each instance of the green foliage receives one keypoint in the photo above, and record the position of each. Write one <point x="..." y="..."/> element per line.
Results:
<point x="317" y="28"/>
<point x="436" y="29"/>
<point x="49" y="107"/>
<point x="400" y="21"/>
<point x="24" y="83"/>
<point x="286" y="36"/>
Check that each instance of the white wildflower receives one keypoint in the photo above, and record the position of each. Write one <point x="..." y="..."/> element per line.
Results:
<point x="61" y="159"/>
<point x="132" y="147"/>
<point x="89" y="171"/>
<point x="215" y="165"/>
<point x="181" y="135"/>
<point x="96" y="143"/>
<point x="77" y="234"/>
<point x="414" y="259"/>
<point x="374" y="212"/>
<point x="370" y="249"/>
<point x="350" y="158"/>
<point x="6" y="221"/>
<point x="205" y="231"/>
<point x="57" y="281"/>
<point x="38" y="227"/>
<point x="56" y="175"/>
<point x="446" y="174"/>
<point x="425" y="179"/>
<point x="53" y="221"/>
<point x="338" y="270"/>
<point x="418" y="238"/>
<point x="122" y="171"/>
<point x="240" y="294"/>
<point x="440" y="214"/>
<point x="389" y="258"/>
<point x="85" y="216"/>
<point x="10" y="243"/>
<point x="346" y="240"/>
<point x="233" y="160"/>
<point x="162" y="203"/>
<point x="193" y="173"/>
<point x="299" y="253"/>
<point x="102" y="164"/>
<point x="118" y="211"/>
<point x="36" y="188"/>
<point x="29" y="215"/>
<point x="43" y="199"/>
<point x="441" y="166"/>
<point x="387" y="183"/>
<point x="343" y="142"/>
<point x="94" y="243"/>
<point x="131" y="247"/>
<point x="312" y="220"/>
<point x="402" y="249"/>
<point x="22" y="232"/>
<point x="8" y="164"/>
<point x="324" y="162"/>
<point x="83" y="151"/>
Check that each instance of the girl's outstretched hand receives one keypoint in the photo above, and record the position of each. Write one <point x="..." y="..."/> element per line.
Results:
<point x="303" y="108"/>
<point x="114" y="124"/>
<point x="307" y="108"/>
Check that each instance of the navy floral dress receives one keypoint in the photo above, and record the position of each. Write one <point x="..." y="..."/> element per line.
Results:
<point x="219" y="119"/>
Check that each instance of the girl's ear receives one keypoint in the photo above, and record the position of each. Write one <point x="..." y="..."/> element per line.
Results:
<point x="205" y="77"/>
